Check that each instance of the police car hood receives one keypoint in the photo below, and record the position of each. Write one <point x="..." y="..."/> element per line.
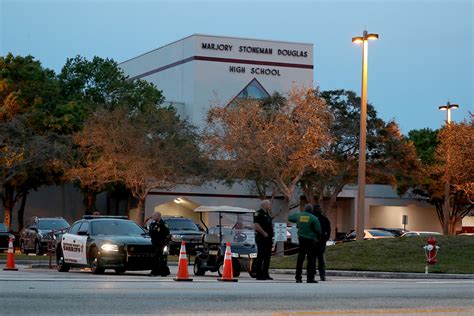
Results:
<point x="125" y="239"/>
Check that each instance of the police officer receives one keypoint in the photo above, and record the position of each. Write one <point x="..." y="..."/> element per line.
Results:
<point x="309" y="231"/>
<point x="159" y="233"/>
<point x="264" y="234"/>
<point x="321" y="245"/>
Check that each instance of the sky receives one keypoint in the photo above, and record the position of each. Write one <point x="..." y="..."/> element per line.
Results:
<point x="424" y="56"/>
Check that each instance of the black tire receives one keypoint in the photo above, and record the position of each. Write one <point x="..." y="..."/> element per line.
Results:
<point x="120" y="270"/>
<point x="38" y="249"/>
<point x="235" y="268"/>
<point x="60" y="264"/>
<point x="253" y="268"/>
<point x="198" y="270"/>
<point x="22" y="248"/>
<point x="96" y="267"/>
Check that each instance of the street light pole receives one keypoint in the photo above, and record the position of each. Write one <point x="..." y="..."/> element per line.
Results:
<point x="362" y="135"/>
<point x="447" y="108"/>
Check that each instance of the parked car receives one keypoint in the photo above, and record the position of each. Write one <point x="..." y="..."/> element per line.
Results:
<point x="369" y="234"/>
<point x="105" y="242"/>
<point x="40" y="233"/>
<point x="4" y="237"/>
<point x="182" y="228"/>
<point x="396" y="231"/>
<point x="420" y="234"/>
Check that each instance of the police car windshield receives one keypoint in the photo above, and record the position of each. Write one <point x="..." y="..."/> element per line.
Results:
<point x="115" y="227"/>
<point x="181" y="224"/>
<point x="52" y="224"/>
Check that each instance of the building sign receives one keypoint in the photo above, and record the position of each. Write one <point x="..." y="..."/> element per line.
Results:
<point x="279" y="230"/>
<point x="255" y="50"/>
<point x="255" y="70"/>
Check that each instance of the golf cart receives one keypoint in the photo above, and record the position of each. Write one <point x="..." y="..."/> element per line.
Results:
<point x="235" y="225"/>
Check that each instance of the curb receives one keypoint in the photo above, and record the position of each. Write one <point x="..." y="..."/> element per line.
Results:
<point x="357" y="274"/>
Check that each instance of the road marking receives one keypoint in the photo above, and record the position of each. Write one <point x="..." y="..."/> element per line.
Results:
<point x="377" y="312"/>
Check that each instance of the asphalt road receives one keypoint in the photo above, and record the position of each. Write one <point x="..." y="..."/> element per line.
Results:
<point x="45" y="292"/>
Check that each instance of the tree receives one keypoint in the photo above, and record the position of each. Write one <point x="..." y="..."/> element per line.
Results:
<point x="24" y="85"/>
<point x="277" y="144"/>
<point x="144" y="150"/>
<point x="390" y="159"/>
<point x="455" y="140"/>
<point x="94" y="85"/>
<point x="29" y="154"/>
<point x="455" y="156"/>
<point x="27" y="161"/>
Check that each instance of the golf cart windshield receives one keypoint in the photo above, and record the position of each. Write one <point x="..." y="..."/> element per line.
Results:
<point x="234" y="225"/>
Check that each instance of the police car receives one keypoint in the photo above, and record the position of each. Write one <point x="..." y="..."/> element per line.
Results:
<point x="105" y="242"/>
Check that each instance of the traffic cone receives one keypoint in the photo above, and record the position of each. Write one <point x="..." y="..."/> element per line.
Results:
<point x="182" y="265"/>
<point x="227" y="274"/>
<point x="10" y="266"/>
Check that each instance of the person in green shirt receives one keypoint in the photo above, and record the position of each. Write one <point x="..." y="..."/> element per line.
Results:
<point x="309" y="232"/>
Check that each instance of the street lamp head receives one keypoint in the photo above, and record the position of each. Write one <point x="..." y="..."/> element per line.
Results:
<point x="454" y="106"/>
<point x="373" y="36"/>
<point x="357" y="40"/>
<point x="448" y="107"/>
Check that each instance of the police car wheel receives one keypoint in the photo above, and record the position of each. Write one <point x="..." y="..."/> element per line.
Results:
<point x="198" y="271"/>
<point x="120" y="270"/>
<point x="61" y="265"/>
<point x="96" y="267"/>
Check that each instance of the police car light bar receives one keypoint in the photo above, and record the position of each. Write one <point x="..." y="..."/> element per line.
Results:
<point x="103" y="216"/>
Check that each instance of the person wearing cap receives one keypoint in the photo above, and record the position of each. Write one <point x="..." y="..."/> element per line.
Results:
<point x="264" y="233"/>
<point x="321" y="244"/>
<point x="309" y="232"/>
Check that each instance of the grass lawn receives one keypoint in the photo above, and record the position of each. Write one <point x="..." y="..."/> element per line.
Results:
<point x="456" y="255"/>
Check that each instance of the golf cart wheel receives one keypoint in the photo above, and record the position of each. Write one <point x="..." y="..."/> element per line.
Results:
<point x="198" y="270"/>
<point x="235" y="268"/>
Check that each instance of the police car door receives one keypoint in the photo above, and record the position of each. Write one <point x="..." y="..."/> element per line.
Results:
<point x="81" y="242"/>
<point x="73" y="244"/>
<point x="68" y="243"/>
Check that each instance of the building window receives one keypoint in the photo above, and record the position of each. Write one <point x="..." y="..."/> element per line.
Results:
<point x="252" y="91"/>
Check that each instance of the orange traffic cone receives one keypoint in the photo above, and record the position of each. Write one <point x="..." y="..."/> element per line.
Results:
<point x="227" y="274"/>
<point x="182" y="265"/>
<point x="10" y="256"/>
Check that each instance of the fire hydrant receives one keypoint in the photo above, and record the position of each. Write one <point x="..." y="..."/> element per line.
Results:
<point x="431" y="250"/>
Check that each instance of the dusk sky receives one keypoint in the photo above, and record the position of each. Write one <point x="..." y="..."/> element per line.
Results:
<point x="423" y="59"/>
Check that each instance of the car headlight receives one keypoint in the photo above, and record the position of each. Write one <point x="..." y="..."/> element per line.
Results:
<point x="109" y="248"/>
<point x="166" y="250"/>
<point x="235" y="255"/>
<point x="176" y="238"/>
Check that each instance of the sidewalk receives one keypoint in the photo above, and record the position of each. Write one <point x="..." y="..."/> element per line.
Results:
<point x="44" y="264"/>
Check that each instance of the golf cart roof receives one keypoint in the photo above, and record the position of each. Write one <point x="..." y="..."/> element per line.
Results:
<point x="223" y="209"/>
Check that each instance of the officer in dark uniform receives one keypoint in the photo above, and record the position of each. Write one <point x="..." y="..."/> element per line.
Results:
<point x="159" y="233"/>
<point x="264" y="234"/>
<point x="321" y="244"/>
